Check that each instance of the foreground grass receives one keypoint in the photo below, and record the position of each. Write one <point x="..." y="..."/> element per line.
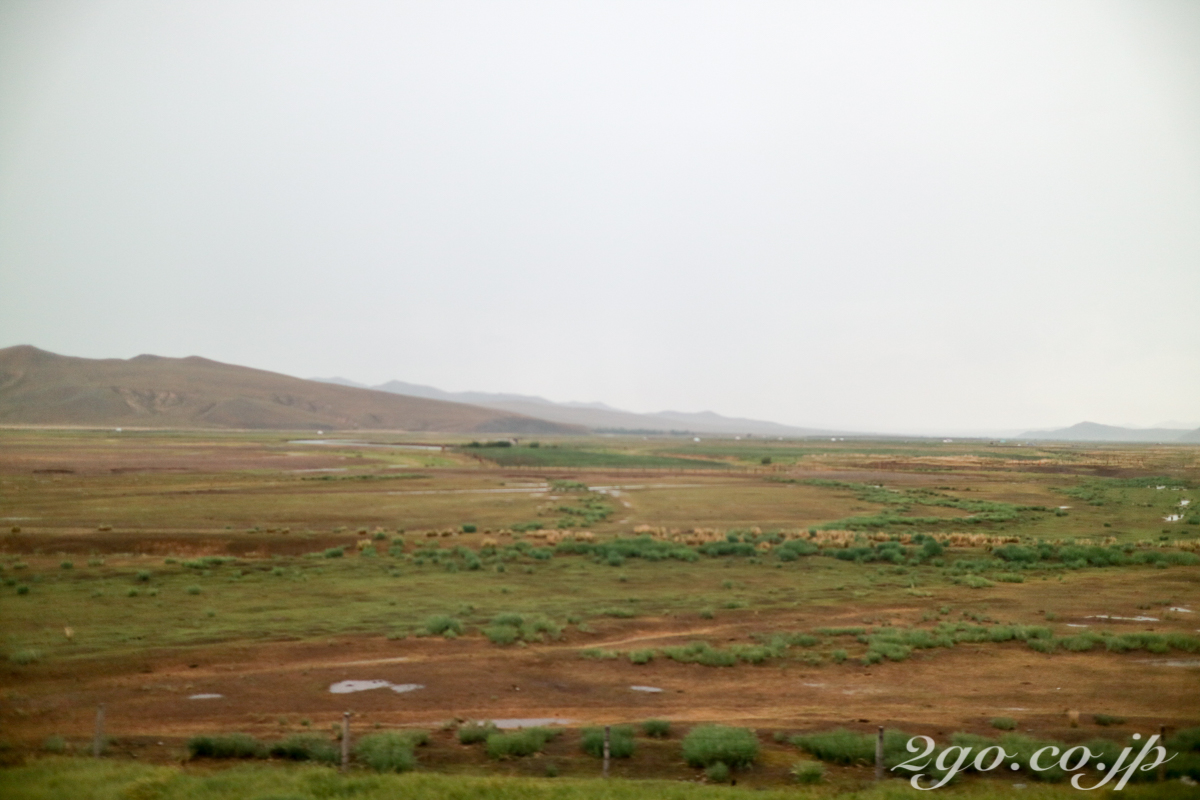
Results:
<point x="73" y="778"/>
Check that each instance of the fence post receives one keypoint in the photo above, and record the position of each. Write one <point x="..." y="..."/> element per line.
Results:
<point x="879" y="755"/>
<point x="345" y="740"/>
<point x="98" y="739"/>
<point x="607" y="732"/>
<point x="1162" y="741"/>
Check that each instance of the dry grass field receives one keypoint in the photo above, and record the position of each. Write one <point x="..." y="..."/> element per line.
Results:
<point x="208" y="582"/>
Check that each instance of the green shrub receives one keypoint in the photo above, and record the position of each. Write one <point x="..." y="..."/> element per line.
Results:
<point x="475" y="732"/>
<point x="843" y="746"/>
<point x="518" y="743"/>
<point x="443" y="625"/>
<point x="597" y="653"/>
<point x="1105" y="720"/>
<point x="26" y="655"/>
<point x="501" y="634"/>
<point x="1042" y="645"/>
<point x="55" y="744"/>
<point x="807" y="771"/>
<point x="839" y="656"/>
<point x="700" y="652"/>
<point x="193" y="589"/>
<point x="469" y="528"/>
<point x="1077" y="644"/>
<point x="143" y="576"/>
<point x="22" y="589"/>
<point x="230" y="745"/>
<point x="306" y="747"/>
<point x="641" y="656"/>
<point x="706" y="745"/>
<point x="656" y="728"/>
<point x="620" y="741"/>
<point x="717" y="772"/>
<point x="1004" y="723"/>
<point x="67" y="565"/>
<point x="386" y="752"/>
<point x="1184" y="740"/>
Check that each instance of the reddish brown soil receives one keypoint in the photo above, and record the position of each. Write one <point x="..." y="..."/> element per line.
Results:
<point x="265" y="685"/>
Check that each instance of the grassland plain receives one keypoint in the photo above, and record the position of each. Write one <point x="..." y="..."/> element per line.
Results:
<point x="930" y="586"/>
<point x="63" y="779"/>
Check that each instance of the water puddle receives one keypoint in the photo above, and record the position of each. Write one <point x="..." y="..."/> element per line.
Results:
<point x="1127" y="619"/>
<point x="1171" y="662"/>
<point x="1075" y="625"/>
<point x="349" y="687"/>
<point x="651" y="689"/>
<point x="401" y="688"/>
<point x="1172" y="517"/>
<point x="529" y="722"/>
<point x="1185" y="503"/>
<point x="205" y="696"/>
<point x="1181" y="609"/>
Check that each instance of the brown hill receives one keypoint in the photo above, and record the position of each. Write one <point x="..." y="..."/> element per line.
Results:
<point x="42" y="388"/>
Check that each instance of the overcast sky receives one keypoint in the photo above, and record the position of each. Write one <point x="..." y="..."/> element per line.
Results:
<point x="898" y="216"/>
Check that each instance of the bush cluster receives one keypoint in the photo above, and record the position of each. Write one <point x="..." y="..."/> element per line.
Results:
<point x="515" y="744"/>
<point x="706" y="745"/>
<point x="620" y="741"/>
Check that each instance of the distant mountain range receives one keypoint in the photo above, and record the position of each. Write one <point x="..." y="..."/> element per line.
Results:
<point x="42" y="388"/>
<point x="598" y="416"/>
<point x="1095" y="432"/>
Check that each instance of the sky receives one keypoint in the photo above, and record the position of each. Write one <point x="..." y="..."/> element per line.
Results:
<point x="885" y="216"/>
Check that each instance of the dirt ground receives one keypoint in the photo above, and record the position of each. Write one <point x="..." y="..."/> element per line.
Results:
<point x="269" y="688"/>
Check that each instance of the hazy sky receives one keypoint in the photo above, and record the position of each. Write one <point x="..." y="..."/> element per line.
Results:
<point x="886" y="215"/>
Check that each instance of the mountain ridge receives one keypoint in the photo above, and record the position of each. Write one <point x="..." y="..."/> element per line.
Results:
<point x="38" y="387"/>
<point x="1096" y="432"/>
<point x="603" y="417"/>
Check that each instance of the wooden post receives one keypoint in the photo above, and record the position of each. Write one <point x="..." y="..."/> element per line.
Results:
<point x="345" y="740"/>
<point x="607" y="733"/>
<point x="98" y="739"/>
<point x="1162" y="742"/>
<point x="879" y="755"/>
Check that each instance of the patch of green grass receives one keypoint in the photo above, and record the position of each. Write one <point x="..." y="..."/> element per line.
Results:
<point x="641" y="656"/>
<point x="517" y="744"/>
<point x="620" y="745"/>
<point x="656" y="728"/>
<point x="717" y="772"/>
<point x="807" y="772"/>
<point x="386" y="752"/>
<point x="306" y="747"/>
<point x="443" y="625"/>
<point x="475" y="732"/>
<point x="228" y="745"/>
<point x="565" y="456"/>
<point x="26" y="655"/>
<point x="1004" y="723"/>
<point x="706" y="745"/>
